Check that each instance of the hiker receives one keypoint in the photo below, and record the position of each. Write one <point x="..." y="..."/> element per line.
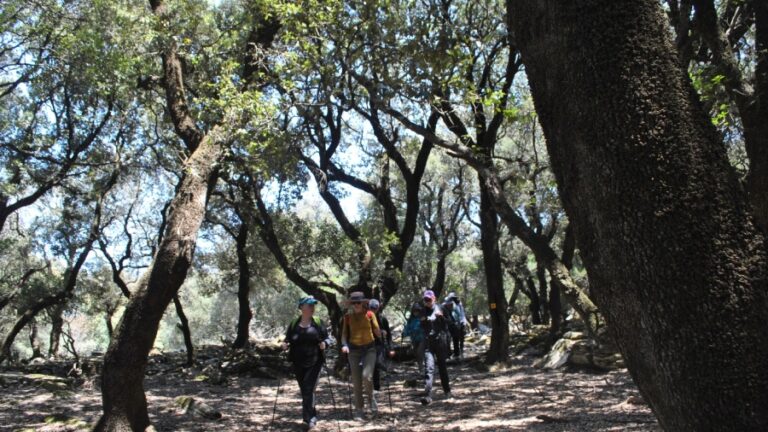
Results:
<point x="359" y="330"/>
<point x="453" y="325"/>
<point x="435" y="326"/>
<point x="413" y="330"/>
<point x="307" y="339"/>
<point x="383" y="344"/>
<point x="459" y="324"/>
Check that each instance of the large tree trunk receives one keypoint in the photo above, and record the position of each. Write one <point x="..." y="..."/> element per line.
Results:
<point x="494" y="277"/>
<point x="125" y="406"/>
<point x="243" y="288"/>
<point x="675" y="261"/>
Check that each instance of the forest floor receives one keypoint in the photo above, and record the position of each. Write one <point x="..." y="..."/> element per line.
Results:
<point x="516" y="397"/>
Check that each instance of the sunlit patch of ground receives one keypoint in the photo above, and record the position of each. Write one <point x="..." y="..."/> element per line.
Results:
<point x="519" y="398"/>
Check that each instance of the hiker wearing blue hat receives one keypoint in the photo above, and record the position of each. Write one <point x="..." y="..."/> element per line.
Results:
<point x="435" y="327"/>
<point x="306" y="339"/>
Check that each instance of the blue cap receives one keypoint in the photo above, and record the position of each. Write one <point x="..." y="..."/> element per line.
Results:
<point x="373" y="304"/>
<point x="307" y="301"/>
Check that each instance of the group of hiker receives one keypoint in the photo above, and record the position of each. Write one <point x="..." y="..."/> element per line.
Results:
<point x="366" y="340"/>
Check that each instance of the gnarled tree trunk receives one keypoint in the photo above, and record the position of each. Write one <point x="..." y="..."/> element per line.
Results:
<point x="125" y="406"/>
<point x="675" y="261"/>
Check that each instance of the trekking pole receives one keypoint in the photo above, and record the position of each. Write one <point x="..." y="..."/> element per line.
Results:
<point x="349" y="389"/>
<point x="274" y="408"/>
<point x="389" y="393"/>
<point x="282" y="357"/>
<point x="333" y="398"/>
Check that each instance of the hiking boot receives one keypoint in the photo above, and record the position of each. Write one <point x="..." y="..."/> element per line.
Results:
<point x="374" y="406"/>
<point x="426" y="400"/>
<point x="312" y="423"/>
<point x="357" y="416"/>
<point x="448" y="395"/>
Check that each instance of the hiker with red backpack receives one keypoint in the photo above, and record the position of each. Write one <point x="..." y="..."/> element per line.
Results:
<point x="306" y="339"/>
<point x="358" y="340"/>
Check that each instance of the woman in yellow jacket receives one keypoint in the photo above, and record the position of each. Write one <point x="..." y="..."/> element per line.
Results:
<point x="358" y="336"/>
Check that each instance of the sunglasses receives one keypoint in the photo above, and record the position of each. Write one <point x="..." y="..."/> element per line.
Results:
<point x="356" y="303"/>
<point x="428" y="299"/>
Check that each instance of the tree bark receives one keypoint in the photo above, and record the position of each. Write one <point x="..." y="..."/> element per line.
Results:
<point x="34" y="340"/>
<point x="57" y="326"/>
<point x="535" y="303"/>
<point x="675" y="261"/>
<point x="494" y="279"/>
<point x="124" y="403"/>
<point x="243" y="288"/>
<point x="555" y="309"/>
<point x="108" y="322"/>
<point x="541" y="276"/>
<point x="183" y="325"/>
<point x="438" y="285"/>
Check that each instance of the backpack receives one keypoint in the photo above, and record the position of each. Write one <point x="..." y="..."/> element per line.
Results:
<point x="316" y="321"/>
<point x="456" y="314"/>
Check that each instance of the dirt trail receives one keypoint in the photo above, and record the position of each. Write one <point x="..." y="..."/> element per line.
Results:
<point x="519" y="398"/>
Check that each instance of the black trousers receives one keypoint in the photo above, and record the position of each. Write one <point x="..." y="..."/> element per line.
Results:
<point x="457" y="335"/>
<point x="307" y="377"/>
<point x="436" y="354"/>
<point x="376" y="378"/>
<point x="380" y="350"/>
